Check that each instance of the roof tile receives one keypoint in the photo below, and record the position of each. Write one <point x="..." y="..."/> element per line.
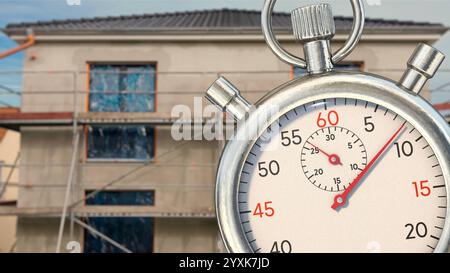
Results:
<point x="208" y="20"/>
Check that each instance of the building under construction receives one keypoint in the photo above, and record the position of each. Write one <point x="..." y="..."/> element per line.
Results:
<point x="98" y="166"/>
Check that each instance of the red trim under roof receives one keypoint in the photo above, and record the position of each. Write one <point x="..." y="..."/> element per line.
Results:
<point x="442" y="106"/>
<point x="35" y="115"/>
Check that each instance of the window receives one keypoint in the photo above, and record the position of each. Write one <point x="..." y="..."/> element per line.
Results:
<point x="121" y="142"/>
<point x="122" y="198"/>
<point x="134" y="233"/>
<point x="121" y="88"/>
<point x="298" y="72"/>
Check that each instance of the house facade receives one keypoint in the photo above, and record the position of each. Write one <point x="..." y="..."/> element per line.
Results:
<point x="97" y="110"/>
<point x="9" y="155"/>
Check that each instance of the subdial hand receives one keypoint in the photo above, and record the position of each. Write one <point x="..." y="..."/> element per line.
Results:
<point x="334" y="159"/>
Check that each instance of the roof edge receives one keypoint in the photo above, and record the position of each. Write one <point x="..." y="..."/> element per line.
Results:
<point x="134" y="16"/>
<point x="195" y="31"/>
<point x="53" y="25"/>
<point x="220" y="38"/>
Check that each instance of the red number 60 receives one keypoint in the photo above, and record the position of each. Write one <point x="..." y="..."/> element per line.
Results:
<point x="332" y="119"/>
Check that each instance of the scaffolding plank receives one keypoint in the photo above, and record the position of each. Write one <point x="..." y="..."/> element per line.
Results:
<point x="98" y="118"/>
<point x="35" y="212"/>
<point x="15" y="120"/>
<point x="141" y="211"/>
<point x="108" y="211"/>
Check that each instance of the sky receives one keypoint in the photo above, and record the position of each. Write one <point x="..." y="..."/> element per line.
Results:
<point x="12" y="11"/>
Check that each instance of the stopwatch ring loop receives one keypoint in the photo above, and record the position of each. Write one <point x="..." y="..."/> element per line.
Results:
<point x="280" y="52"/>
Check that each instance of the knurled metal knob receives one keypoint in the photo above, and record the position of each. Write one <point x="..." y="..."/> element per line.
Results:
<point x="314" y="22"/>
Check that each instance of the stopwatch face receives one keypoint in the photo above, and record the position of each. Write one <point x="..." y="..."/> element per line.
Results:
<point x="342" y="175"/>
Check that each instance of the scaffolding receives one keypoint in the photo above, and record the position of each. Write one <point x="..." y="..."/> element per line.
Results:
<point x="79" y="118"/>
<point x="38" y="112"/>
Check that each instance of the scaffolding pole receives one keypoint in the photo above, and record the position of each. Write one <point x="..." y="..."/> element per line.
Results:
<point x="8" y="179"/>
<point x="68" y="190"/>
<point x="101" y="235"/>
<point x="133" y="171"/>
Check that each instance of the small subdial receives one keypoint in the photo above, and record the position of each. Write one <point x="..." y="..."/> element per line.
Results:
<point x="332" y="158"/>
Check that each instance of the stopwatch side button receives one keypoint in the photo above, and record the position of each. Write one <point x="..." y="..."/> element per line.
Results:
<point x="227" y="98"/>
<point x="422" y="66"/>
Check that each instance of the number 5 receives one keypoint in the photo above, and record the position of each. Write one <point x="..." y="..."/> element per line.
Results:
<point x="370" y="127"/>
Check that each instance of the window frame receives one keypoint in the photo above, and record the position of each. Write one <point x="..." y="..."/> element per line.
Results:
<point x="85" y="190"/>
<point x="88" y="80"/>
<point x="87" y="103"/>
<point x="119" y="160"/>
<point x="88" y="191"/>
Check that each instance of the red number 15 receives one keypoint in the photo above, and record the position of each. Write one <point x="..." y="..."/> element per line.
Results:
<point x="421" y="188"/>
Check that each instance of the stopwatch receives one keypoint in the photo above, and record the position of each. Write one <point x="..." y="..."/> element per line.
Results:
<point x="334" y="161"/>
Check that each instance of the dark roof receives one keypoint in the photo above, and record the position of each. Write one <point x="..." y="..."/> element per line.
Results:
<point x="204" y="21"/>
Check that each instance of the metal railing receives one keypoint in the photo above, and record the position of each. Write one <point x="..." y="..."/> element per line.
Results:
<point x="22" y="88"/>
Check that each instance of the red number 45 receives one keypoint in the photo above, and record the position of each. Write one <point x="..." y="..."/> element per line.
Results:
<point x="421" y="188"/>
<point x="267" y="210"/>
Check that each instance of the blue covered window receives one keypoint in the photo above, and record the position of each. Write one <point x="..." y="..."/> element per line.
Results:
<point x="121" y="88"/>
<point x="134" y="233"/>
<point x="121" y="142"/>
<point x="122" y="198"/>
<point x="299" y="72"/>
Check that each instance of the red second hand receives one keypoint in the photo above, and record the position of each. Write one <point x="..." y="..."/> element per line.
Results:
<point x="341" y="199"/>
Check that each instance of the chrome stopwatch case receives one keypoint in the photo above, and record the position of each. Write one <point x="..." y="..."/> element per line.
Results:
<point x="334" y="161"/>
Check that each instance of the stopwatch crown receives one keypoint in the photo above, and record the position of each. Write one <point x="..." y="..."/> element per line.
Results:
<point x="313" y="22"/>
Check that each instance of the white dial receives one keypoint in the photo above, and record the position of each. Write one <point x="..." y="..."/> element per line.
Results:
<point x="391" y="195"/>
<point x="328" y="170"/>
